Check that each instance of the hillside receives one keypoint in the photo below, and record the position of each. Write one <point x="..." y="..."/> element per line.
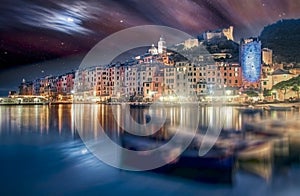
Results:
<point x="283" y="38"/>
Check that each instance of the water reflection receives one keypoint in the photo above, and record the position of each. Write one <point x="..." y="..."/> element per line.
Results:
<point x="45" y="118"/>
<point x="38" y="118"/>
<point x="278" y="127"/>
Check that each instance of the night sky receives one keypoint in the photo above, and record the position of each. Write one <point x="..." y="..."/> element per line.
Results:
<point x="42" y="37"/>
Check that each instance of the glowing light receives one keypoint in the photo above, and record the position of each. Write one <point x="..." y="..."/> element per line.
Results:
<point x="69" y="19"/>
<point x="84" y="151"/>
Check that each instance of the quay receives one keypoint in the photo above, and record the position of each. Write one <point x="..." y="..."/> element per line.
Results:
<point x="24" y="100"/>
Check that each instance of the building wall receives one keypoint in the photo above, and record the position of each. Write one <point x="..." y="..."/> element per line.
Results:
<point x="250" y="58"/>
<point x="231" y="75"/>
<point x="282" y="77"/>
<point x="190" y="43"/>
<point x="267" y="82"/>
<point x="267" y="56"/>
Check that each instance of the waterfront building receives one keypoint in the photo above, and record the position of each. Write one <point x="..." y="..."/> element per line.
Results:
<point x="153" y="90"/>
<point x="132" y="77"/>
<point x="85" y="84"/>
<point x="26" y="88"/>
<point x="230" y="74"/>
<point x="65" y="83"/>
<point x="48" y="86"/>
<point x="169" y="80"/>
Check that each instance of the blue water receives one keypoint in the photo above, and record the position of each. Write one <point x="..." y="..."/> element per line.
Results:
<point x="41" y="154"/>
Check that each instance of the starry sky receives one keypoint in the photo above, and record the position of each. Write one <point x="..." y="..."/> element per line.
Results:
<point x="48" y="36"/>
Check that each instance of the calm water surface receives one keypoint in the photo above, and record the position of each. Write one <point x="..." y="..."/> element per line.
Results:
<point x="41" y="153"/>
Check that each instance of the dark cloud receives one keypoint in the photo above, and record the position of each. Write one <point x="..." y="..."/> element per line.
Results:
<point x="38" y="30"/>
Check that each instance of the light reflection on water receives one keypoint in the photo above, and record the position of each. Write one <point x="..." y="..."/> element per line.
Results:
<point x="43" y="141"/>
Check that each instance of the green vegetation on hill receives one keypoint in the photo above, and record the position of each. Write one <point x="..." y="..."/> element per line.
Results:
<point x="283" y="37"/>
<point x="208" y="49"/>
<point x="224" y="46"/>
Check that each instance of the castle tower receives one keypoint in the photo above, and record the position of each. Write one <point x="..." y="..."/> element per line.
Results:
<point x="250" y="58"/>
<point x="267" y="56"/>
<point x="228" y="33"/>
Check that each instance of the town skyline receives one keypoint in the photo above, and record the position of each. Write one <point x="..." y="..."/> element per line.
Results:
<point x="156" y="75"/>
<point x="45" y="68"/>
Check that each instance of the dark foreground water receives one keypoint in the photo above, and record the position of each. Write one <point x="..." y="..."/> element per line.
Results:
<point x="42" y="153"/>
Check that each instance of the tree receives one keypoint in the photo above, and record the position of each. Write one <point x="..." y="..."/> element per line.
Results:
<point x="296" y="89"/>
<point x="282" y="87"/>
<point x="251" y="93"/>
<point x="267" y="93"/>
<point x="292" y="84"/>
